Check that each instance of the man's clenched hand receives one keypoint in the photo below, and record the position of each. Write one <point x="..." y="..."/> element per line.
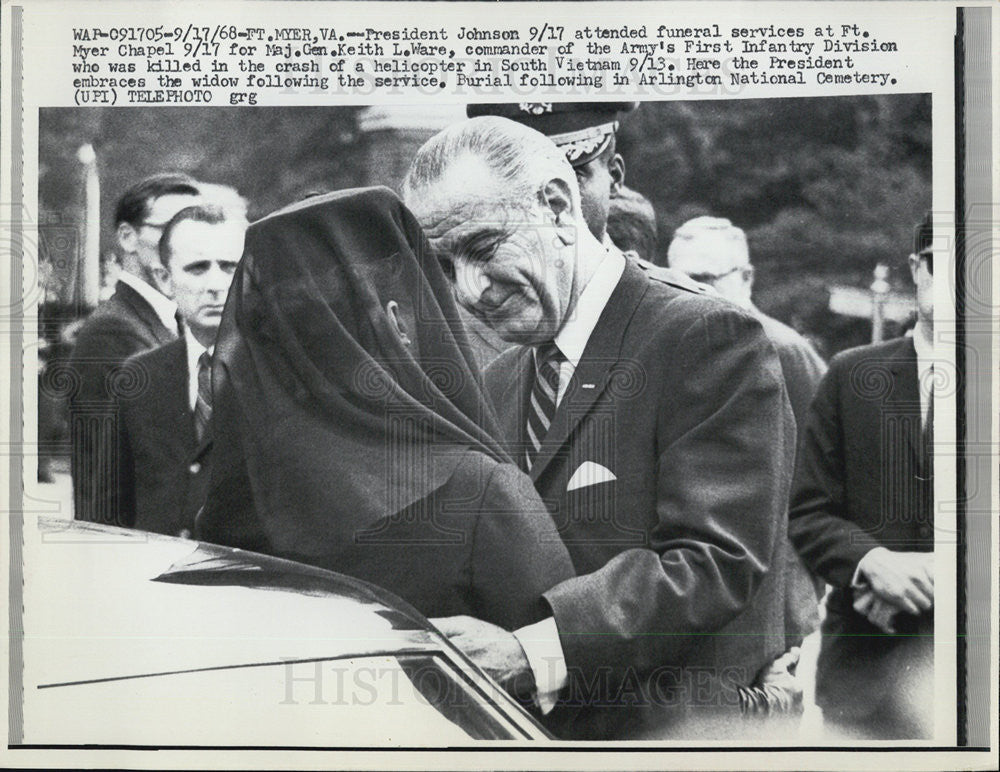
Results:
<point x="905" y="580"/>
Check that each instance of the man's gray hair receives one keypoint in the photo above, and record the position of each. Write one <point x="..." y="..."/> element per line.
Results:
<point x="519" y="157"/>
<point x="718" y="227"/>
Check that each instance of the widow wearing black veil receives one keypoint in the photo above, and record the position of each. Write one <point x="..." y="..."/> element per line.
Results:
<point x="351" y="431"/>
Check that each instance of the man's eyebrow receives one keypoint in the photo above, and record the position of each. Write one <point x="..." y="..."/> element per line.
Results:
<point x="467" y="242"/>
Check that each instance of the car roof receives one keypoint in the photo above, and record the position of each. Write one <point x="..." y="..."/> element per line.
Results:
<point x="183" y="605"/>
<point x="132" y="639"/>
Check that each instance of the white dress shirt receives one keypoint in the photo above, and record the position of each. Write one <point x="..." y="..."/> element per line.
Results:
<point x="164" y="307"/>
<point x="540" y="641"/>
<point x="925" y="370"/>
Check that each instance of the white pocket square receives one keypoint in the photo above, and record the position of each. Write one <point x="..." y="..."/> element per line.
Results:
<point x="589" y="473"/>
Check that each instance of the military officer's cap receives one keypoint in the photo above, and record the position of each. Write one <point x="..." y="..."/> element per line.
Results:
<point x="583" y="130"/>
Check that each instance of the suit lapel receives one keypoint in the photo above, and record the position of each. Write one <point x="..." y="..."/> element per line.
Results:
<point x="144" y="312"/>
<point x="511" y="402"/>
<point x="905" y="397"/>
<point x="597" y="366"/>
<point x="178" y="388"/>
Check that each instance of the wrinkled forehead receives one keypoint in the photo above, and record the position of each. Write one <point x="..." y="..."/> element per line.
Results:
<point x="714" y="251"/>
<point x="465" y="198"/>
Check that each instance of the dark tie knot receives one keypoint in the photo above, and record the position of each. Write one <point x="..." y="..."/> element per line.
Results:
<point x="548" y="359"/>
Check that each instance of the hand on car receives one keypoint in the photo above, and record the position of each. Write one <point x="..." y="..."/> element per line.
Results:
<point x="494" y="649"/>
<point x="904" y="580"/>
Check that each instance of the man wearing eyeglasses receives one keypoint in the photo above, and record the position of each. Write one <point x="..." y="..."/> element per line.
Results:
<point x="139" y="316"/>
<point x="862" y="517"/>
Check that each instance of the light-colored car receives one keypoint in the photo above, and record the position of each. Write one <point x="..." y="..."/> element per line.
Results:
<point x="135" y="639"/>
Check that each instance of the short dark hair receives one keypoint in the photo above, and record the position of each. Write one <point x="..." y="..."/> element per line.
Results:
<point x="133" y="206"/>
<point x="632" y="223"/>
<point x="206" y="213"/>
<point x="923" y="236"/>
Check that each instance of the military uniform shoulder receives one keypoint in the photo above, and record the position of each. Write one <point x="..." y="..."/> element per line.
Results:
<point x="671" y="276"/>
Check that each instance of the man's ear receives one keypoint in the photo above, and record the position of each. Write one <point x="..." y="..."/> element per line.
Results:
<point x="398" y="322"/>
<point x="616" y="168"/>
<point x="557" y="197"/>
<point x="748" y="274"/>
<point x="162" y="280"/>
<point x="128" y="237"/>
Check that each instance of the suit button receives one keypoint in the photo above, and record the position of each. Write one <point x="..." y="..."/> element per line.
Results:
<point x="185" y="533"/>
<point x="194" y="468"/>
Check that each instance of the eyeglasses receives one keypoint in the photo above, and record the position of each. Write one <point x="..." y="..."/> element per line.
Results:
<point x="157" y="225"/>
<point x="711" y="278"/>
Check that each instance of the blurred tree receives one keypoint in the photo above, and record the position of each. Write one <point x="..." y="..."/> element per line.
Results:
<point x="825" y="188"/>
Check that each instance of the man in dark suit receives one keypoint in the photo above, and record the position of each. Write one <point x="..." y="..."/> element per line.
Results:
<point x="713" y="251"/>
<point x="653" y="422"/>
<point x="138" y="317"/>
<point x="165" y="436"/>
<point x="862" y="518"/>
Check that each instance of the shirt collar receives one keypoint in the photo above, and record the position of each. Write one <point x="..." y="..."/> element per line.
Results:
<point x="572" y="338"/>
<point x="925" y="350"/>
<point x="194" y="348"/>
<point x="164" y="308"/>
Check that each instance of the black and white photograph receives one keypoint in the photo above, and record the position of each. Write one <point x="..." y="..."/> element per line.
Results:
<point x="577" y="424"/>
<point x="368" y="380"/>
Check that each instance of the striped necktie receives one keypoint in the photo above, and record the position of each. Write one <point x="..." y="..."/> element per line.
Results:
<point x="548" y="359"/>
<point x="203" y="403"/>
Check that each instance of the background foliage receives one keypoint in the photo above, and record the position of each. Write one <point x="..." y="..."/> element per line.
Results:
<point x="825" y="188"/>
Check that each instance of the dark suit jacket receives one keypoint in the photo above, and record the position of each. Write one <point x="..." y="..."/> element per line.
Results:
<point x="863" y="480"/>
<point x="803" y="369"/>
<point x="123" y="325"/>
<point x="165" y="469"/>
<point x="679" y="601"/>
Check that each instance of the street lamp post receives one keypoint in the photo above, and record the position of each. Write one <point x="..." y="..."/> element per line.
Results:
<point x="880" y="292"/>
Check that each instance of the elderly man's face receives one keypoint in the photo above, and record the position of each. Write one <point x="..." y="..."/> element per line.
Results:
<point x="510" y="267"/>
